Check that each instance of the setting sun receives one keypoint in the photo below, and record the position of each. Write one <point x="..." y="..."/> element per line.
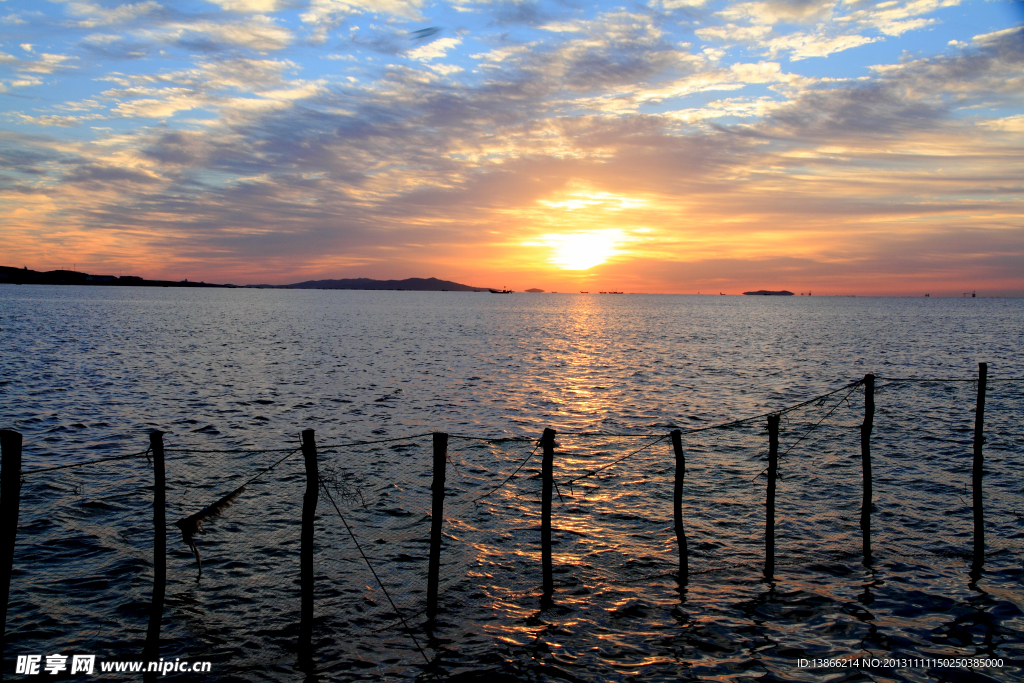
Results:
<point x="583" y="250"/>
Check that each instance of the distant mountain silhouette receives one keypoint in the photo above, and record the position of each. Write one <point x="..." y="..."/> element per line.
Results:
<point x="414" y="284"/>
<point x="765" y="292"/>
<point x="24" y="276"/>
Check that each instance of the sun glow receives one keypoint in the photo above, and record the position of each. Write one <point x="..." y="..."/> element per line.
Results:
<point x="583" y="250"/>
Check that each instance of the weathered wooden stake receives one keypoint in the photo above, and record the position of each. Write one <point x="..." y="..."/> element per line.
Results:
<point x="436" y="518"/>
<point x="309" y="501"/>
<point x="10" y="493"/>
<point x="979" y="461"/>
<point x="769" y="518"/>
<point x="865" y="465"/>
<point x="547" y="483"/>
<point x="151" y="651"/>
<point x="677" y="507"/>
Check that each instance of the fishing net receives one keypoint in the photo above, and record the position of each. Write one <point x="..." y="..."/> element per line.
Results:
<point x="87" y="543"/>
<point x="248" y="545"/>
<point x="83" y="559"/>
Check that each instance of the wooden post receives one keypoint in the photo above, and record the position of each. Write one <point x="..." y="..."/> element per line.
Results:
<point x="979" y="461"/>
<point x="865" y="465"/>
<point x="10" y="493"/>
<point x="151" y="651"/>
<point x="769" y="518"/>
<point x="436" y="518"/>
<point x="309" y="501"/>
<point x="677" y="507"/>
<point x="547" y="483"/>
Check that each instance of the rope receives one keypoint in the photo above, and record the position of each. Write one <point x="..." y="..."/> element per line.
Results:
<point x="616" y="462"/>
<point x="370" y="443"/>
<point x="724" y="425"/>
<point x="815" y="425"/>
<point x="373" y="571"/>
<point x="83" y="464"/>
<point x="811" y="429"/>
<point x="611" y="435"/>
<point x="973" y="379"/>
<point x="500" y="439"/>
<point x="283" y="450"/>
<point x="785" y="410"/>
<point x="290" y="454"/>
<point x="237" y="451"/>
<point x="509" y="477"/>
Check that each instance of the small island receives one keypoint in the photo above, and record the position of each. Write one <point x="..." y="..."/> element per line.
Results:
<point x="765" y="292"/>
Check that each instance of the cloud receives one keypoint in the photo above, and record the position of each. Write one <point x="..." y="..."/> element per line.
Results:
<point x="894" y="18"/>
<point x="97" y="15"/>
<point x="731" y="33"/>
<point x="1009" y="124"/>
<point x="26" y="70"/>
<point x="733" y="157"/>
<point x="62" y="121"/>
<point x="323" y="16"/>
<point x="115" y="47"/>
<point x="47" y="64"/>
<point x="619" y="50"/>
<point x="446" y="69"/>
<point x="435" y="49"/>
<point x="678" y="4"/>
<point x="911" y="97"/>
<point x="738" y="107"/>
<point x="803" y="46"/>
<point x="258" y="33"/>
<point x="1006" y="37"/>
<point x="162" y="103"/>
<point x="229" y="88"/>
<point x="512" y="12"/>
<point x="249" y="6"/>
<point x="779" y="11"/>
<point x="562" y="27"/>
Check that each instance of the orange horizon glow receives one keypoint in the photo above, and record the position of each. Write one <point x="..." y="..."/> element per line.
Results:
<point x="578" y="237"/>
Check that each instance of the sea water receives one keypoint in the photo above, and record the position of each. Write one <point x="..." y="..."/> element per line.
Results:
<point x="86" y="373"/>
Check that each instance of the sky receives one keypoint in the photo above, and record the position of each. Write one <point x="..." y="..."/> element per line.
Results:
<point x="666" y="146"/>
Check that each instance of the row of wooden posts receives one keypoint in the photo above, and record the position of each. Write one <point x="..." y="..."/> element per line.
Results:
<point x="11" y="484"/>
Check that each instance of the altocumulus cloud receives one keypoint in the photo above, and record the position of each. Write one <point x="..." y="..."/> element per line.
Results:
<point x="265" y="140"/>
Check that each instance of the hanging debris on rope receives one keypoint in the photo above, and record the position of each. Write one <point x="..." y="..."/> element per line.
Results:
<point x="193" y="524"/>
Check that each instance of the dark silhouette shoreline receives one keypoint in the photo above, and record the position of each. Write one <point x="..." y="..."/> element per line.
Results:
<point x="412" y="284"/>
<point x="25" y="276"/>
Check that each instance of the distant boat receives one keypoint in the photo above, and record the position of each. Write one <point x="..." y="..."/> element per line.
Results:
<point x="499" y="291"/>
<point x="584" y="292"/>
